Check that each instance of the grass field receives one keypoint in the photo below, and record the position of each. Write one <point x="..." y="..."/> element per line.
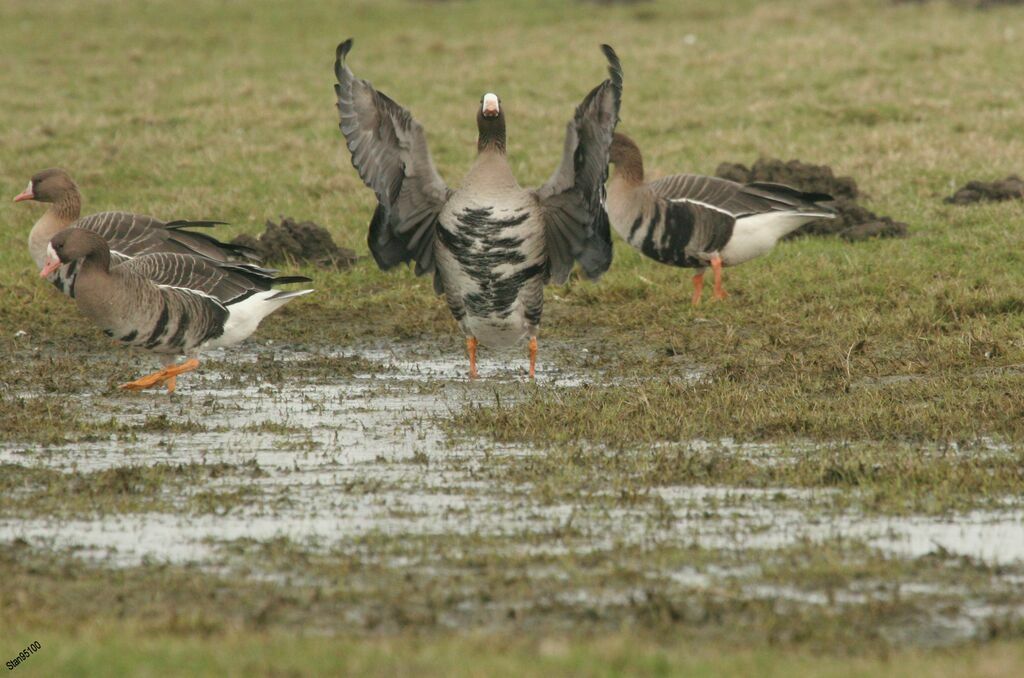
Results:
<point x="821" y="475"/>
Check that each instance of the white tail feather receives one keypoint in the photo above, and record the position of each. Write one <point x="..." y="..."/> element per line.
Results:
<point x="245" y="316"/>
<point x="755" y="235"/>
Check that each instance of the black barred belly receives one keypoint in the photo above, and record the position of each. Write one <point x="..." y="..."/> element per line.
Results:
<point x="481" y="244"/>
<point x="182" y="325"/>
<point x="680" y="228"/>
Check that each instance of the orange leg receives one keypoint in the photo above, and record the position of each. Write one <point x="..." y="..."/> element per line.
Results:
<point x="165" y="376"/>
<point x="716" y="266"/>
<point x="533" y="356"/>
<point x="698" y="287"/>
<point x="471" y="344"/>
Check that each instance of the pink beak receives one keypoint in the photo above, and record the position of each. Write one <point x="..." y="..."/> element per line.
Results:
<point x="490" y="105"/>
<point x="25" y="195"/>
<point x="52" y="264"/>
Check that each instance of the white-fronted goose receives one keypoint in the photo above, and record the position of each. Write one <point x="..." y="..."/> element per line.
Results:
<point x="168" y="303"/>
<point x="490" y="244"/>
<point x="127" y="235"/>
<point x="695" y="221"/>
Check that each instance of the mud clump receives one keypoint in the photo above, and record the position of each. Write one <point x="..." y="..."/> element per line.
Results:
<point x="970" y="4"/>
<point x="1010" y="188"/>
<point x="806" y="177"/>
<point x="853" y="222"/>
<point x="885" y="227"/>
<point x="299" y="242"/>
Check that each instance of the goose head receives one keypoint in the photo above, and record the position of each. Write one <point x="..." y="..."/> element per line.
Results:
<point x="490" y="122"/>
<point x="626" y="156"/>
<point x="75" y="243"/>
<point x="51" y="185"/>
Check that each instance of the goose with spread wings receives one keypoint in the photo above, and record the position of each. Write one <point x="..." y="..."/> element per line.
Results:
<point x="694" y="221"/>
<point x="490" y="245"/>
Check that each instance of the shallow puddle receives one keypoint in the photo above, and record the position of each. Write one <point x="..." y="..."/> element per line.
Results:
<point x="363" y="455"/>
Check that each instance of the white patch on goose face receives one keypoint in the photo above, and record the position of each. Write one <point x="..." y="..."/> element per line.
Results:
<point x="28" y="189"/>
<point x="51" y="254"/>
<point x="490" y="103"/>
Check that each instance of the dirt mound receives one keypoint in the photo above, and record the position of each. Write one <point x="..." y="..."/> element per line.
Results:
<point x="302" y="242"/>
<point x="806" y="177"/>
<point x="973" y="4"/>
<point x="1010" y="188"/>
<point x="853" y="222"/>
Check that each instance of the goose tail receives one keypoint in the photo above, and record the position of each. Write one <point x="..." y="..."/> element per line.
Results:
<point x="245" y="316"/>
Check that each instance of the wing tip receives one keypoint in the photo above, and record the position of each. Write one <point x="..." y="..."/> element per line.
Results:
<point x="178" y="224"/>
<point x="290" y="279"/>
<point x="811" y="199"/>
<point x="343" y="49"/>
<point x="614" y="65"/>
<point x="339" y="59"/>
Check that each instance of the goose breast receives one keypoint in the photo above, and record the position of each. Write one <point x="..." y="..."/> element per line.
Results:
<point x="490" y="247"/>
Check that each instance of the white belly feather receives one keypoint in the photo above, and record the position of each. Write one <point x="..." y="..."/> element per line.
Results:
<point x="755" y="235"/>
<point x="495" y="316"/>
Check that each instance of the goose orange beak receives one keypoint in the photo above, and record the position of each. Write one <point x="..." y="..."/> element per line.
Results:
<point x="52" y="264"/>
<point x="25" y="195"/>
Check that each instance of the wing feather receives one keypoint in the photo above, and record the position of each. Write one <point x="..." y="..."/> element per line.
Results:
<point x="389" y="151"/>
<point x="572" y="200"/>
<point x="228" y="283"/>
<point x="738" y="200"/>
<point x="136" y="234"/>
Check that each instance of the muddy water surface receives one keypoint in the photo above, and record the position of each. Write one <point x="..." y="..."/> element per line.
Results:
<point x="342" y="460"/>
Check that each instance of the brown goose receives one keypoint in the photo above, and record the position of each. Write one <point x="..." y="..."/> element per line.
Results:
<point x="168" y="303"/>
<point x="490" y="245"/>
<point x="694" y="221"/>
<point x="128" y="235"/>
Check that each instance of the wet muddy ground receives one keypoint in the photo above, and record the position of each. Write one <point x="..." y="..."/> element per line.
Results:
<point x="339" y="471"/>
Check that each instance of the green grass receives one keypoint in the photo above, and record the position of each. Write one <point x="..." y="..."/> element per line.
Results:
<point x="865" y="363"/>
<point x="228" y="113"/>
<point x="371" y="618"/>
<point x="39" y="491"/>
<point x="884" y="479"/>
<point x="117" y="651"/>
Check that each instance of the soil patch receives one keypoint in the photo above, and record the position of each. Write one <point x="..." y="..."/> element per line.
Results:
<point x="299" y="242"/>
<point x="973" y="4"/>
<point x="853" y="222"/>
<point x="1010" y="188"/>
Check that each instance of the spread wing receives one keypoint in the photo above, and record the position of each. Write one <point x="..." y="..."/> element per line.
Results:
<point x="572" y="200"/>
<point x="389" y="150"/>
